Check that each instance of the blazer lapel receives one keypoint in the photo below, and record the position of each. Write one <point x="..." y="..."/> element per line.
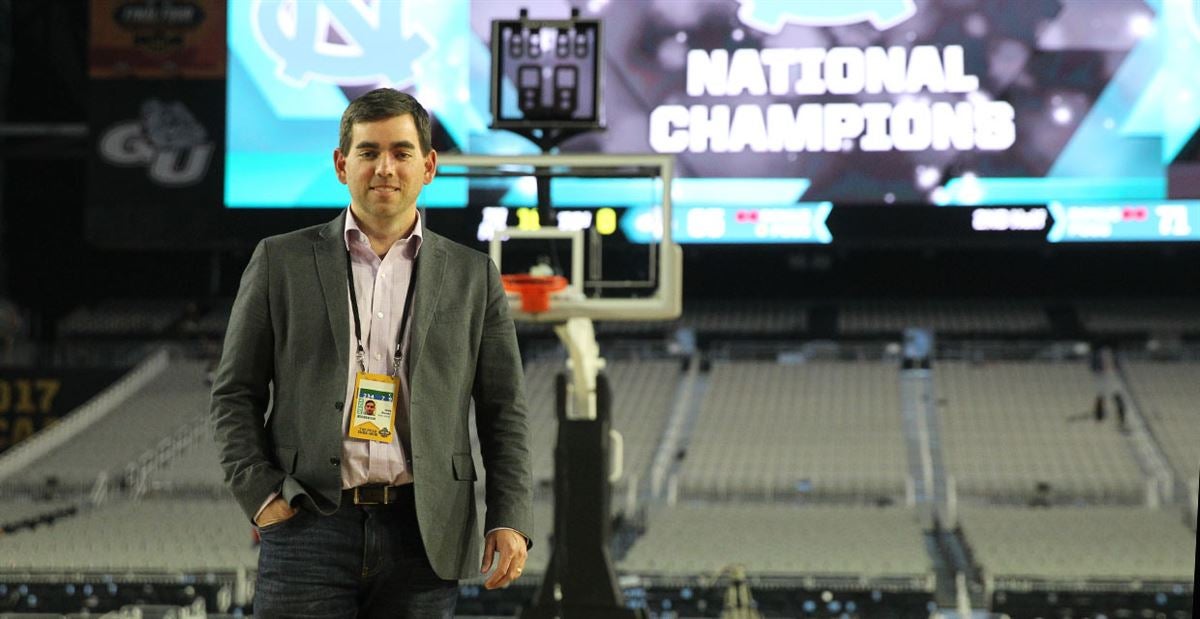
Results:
<point x="431" y="267"/>
<point x="330" y="253"/>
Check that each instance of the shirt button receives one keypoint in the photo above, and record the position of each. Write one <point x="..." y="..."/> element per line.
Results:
<point x="378" y="356"/>
<point x="379" y="315"/>
<point x="338" y="405"/>
<point x="335" y="461"/>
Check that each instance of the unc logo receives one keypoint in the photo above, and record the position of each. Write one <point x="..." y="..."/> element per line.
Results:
<point x="345" y="42"/>
<point x="772" y="15"/>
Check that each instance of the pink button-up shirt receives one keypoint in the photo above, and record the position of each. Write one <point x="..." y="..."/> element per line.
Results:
<point x="381" y="287"/>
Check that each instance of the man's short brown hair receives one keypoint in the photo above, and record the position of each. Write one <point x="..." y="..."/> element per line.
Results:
<point x="382" y="104"/>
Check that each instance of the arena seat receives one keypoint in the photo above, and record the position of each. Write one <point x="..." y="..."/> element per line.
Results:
<point x="771" y="430"/>
<point x="781" y="540"/>
<point x="1145" y="316"/>
<point x="1008" y="426"/>
<point x="123" y="317"/>
<point x="992" y="317"/>
<point x="177" y="397"/>
<point x="1112" y="543"/>
<point x="1167" y="394"/>
<point x="152" y="536"/>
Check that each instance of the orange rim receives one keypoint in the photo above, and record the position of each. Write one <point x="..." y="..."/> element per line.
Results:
<point x="534" y="290"/>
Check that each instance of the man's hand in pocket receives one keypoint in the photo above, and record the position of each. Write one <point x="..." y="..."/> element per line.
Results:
<point x="275" y="512"/>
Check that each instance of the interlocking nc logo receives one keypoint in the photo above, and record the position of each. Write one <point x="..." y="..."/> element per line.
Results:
<point x="345" y="42"/>
<point x="166" y="138"/>
<point x="772" y="15"/>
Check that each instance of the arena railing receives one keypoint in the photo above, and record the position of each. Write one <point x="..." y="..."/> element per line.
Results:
<point x="138" y="472"/>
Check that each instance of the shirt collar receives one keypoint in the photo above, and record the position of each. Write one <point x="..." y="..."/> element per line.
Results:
<point x="354" y="235"/>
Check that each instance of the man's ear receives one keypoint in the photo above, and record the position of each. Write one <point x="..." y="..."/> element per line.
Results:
<point x="339" y="165"/>
<point x="430" y="166"/>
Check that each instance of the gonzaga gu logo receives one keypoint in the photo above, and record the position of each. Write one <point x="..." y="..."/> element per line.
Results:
<point x="345" y="42"/>
<point x="166" y="138"/>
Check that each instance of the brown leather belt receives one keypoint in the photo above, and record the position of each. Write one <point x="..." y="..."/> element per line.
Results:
<point x="376" y="494"/>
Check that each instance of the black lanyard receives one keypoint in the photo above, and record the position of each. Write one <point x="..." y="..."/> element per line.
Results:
<point x="408" y="299"/>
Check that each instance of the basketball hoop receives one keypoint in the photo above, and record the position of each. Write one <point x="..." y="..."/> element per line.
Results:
<point x="534" y="290"/>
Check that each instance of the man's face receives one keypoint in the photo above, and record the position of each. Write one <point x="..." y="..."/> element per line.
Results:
<point x="370" y="407"/>
<point x="385" y="169"/>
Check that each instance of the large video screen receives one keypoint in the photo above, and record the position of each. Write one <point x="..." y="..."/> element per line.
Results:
<point x="1068" y="119"/>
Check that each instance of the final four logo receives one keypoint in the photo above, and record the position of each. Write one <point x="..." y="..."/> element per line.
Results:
<point x="346" y="42"/>
<point x="772" y="15"/>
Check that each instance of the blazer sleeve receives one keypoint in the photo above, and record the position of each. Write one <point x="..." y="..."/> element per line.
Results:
<point x="241" y="393"/>
<point x="501" y="417"/>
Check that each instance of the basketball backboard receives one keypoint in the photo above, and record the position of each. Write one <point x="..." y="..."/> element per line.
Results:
<point x="611" y="238"/>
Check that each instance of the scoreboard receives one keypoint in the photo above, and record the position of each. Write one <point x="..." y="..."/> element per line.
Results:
<point x="874" y="121"/>
<point x="823" y="223"/>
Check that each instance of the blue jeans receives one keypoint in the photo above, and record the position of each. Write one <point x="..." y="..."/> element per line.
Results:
<point x="363" y="561"/>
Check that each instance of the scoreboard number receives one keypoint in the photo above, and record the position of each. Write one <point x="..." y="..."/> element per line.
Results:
<point x="1173" y="220"/>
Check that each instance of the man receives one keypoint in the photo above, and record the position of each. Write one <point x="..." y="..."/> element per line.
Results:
<point x="378" y="519"/>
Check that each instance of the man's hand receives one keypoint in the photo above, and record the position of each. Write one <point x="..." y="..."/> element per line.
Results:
<point x="275" y="512"/>
<point x="513" y="552"/>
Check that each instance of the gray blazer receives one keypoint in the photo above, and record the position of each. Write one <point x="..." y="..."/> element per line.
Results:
<point x="288" y="344"/>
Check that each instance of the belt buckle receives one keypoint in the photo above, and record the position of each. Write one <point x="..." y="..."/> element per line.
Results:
<point x="363" y="501"/>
